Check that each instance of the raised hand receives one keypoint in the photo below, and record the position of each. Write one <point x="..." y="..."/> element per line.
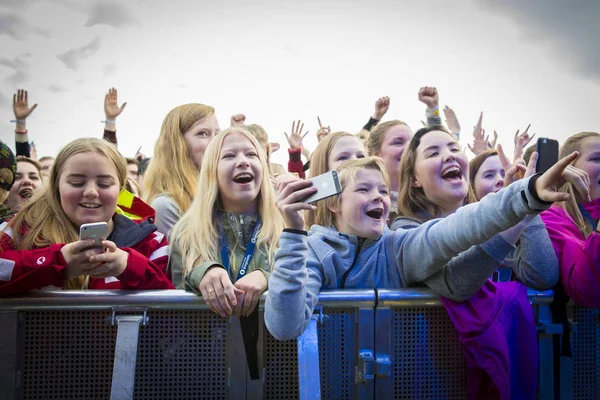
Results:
<point x="237" y="120"/>
<point x="218" y="292"/>
<point x="323" y="130"/>
<point x="111" y="106"/>
<point x="21" y="105"/>
<point x="524" y="137"/>
<point x="480" y="140"/>
<point x="252" y="285"/>
<point x="451" y="120"/>
<point x="547" y="184"/>
<point x="382" y="106"/>
<point x="295" y="138"/>
<point x="429" y="96"/>
<point x="512" y="171"/>
<point x="290" y="193"/>
<point x="274" y="146"/>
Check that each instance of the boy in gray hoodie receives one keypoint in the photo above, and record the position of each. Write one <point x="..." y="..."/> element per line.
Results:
<point x="351" y="247"/>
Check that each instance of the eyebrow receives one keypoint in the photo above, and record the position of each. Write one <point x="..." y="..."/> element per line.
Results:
<point x="85" y="176"/>
<point x="491" y="170"/>
<point x="435" y="147"/>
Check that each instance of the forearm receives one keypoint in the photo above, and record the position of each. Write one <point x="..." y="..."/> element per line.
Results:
<point x="142" y="274"/>
<point x="290" y="303"/>
<point x="371" y="124"/>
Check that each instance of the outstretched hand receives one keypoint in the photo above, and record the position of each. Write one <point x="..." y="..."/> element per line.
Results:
<point x="548" y="183"/>
<point x="237" y="120"/>
<point x="323" y="130"/>
<point x="111" y="106"/>
<point x="451" y="120"/>
<point x="294" y="139"/>
<point x="21" y="105"/>
<point x="480" y="140"/>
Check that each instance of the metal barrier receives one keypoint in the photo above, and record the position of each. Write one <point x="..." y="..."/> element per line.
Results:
<point x="371" y="344"/>
<point x="583" y="370"/>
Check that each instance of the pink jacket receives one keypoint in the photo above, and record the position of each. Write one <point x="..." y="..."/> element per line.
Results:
<point x="579" y="258"/>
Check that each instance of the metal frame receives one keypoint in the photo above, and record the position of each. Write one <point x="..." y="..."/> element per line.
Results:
<point x="11" y="355"/>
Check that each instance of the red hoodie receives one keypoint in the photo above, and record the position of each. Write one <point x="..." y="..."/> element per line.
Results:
<point x="23" y="270"/>
<point x="579" y="257"/>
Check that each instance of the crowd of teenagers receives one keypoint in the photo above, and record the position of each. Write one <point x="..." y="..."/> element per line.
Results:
<point x="210" y="213"/>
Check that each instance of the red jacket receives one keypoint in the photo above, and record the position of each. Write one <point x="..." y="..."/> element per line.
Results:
<point x="579" y="257"/>
<point x="295" y="163"/>
<point x="23" y="270"/>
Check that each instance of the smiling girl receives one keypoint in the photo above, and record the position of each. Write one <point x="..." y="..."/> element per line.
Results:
<point x="351" y="247"/>
<point x="573" y="226"/>
<point x="436" y="172"/>
<point x="40" y="244"/>
<point x="170" y="181"/>
<point x="28" y="180"/>
<point x="224" y="245"/>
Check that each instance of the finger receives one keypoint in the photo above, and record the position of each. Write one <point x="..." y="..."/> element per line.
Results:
<point x="229" y="290"/>
<point x="33" y="108"/>
<point x="76" y="247"/>
<point x="470" y="148"/>
<point x="503" y="158"/>
<point x="319" y="120"/>
<point x="480" y="121"/>
<point x="526" y="130"/>
<point x="25" y="96"/>
<point x="530" y="139"/>
<point x="287" y="137"/>
<point x="532" y="164"/>
<point x="223" y="298"/>
<point x="301" y="129"/>
<point x="249" y="303"/>
<point x="293" y="127"/>
<point x="303" y="136"/>
<point x="560" y="166"/>
<point x="123" y="107"/>
<point x="110" y="245"/>
<point x="215" y="303"/>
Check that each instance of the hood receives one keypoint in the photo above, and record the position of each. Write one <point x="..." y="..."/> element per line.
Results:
<point x="127" y="233"/>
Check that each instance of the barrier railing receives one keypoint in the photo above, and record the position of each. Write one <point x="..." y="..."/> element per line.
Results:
<point x="167" y="344"/>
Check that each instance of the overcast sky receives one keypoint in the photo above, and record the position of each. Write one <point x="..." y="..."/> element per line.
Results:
<point x="519" y="61"/>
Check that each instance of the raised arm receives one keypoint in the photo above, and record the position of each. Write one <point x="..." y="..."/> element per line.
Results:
<point x="111" y="111"/>
<point x="22" y="111"/>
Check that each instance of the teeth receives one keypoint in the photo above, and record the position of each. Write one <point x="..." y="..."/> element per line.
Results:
<point x="451" y="169"/>
<point x="90" y="205"/>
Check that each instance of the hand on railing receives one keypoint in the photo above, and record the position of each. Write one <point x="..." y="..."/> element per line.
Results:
<point x="252" y="286"/>
<point x="218" y="292"/>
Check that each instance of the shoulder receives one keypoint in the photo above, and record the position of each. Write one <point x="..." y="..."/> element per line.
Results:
<point x="405" y="223"/>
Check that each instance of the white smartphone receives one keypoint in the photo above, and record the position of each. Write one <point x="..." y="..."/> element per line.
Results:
<point x="96" y="230"/>
<point x="327" y="185"/>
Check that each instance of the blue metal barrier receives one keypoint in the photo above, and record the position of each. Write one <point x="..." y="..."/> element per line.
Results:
<point x="371" y="344"/>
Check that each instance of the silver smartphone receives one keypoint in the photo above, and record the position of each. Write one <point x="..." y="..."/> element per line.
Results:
<point x="96" y="230"/>
<point x="327" y="185"/>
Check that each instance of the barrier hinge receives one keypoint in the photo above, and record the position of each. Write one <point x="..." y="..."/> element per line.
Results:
<point x="114" y="318"/>
<point x="366" y="366"/>
<point x="319" y="315"/>
<point x="383" y="366"/>
<point x="550" y="329"/>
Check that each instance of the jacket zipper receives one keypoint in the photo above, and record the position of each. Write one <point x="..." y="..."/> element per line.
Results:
<point x="361" y="241"/>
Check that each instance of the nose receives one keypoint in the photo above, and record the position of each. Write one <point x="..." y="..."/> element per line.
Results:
<point x="90" y="191"/>
<point x="377" y="196"/>
<point x="499" y="181"/>
<point x="243" y="162"/>
<point x="449" y="156"/>
<point x="25" y="181"/>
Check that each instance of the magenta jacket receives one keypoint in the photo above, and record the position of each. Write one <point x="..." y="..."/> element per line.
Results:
<point x="578" y="257"/>
<point x="496" y="328"/>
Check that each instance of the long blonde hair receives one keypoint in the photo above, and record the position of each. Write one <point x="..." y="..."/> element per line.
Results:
<point x="572" y="144"/>
<point x="412" y="201"/>
<point x="196" y="234"/>
<point x="347" y="173"/>
<point x="319" y="165"/>
<point x="375" y="139"/>
<point x="172" y="170"/>
<point x="42" y="221"/>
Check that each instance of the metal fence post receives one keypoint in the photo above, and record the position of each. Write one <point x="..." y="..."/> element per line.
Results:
<point x="10" y="354"/>
<point x="128" y="333"/>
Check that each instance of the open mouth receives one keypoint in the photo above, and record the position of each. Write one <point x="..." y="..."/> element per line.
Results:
<point x="375" y="213"/>
<point x="90" y="205"/>
<point x="243" y="178"/>
<point x="26" y="193"/>
<point x="452" y="174"/>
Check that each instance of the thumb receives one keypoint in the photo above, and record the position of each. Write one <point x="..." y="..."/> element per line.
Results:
<point x="123" y="107"/>
<point x="33" y="108"/>
<point x="237" y="291"/>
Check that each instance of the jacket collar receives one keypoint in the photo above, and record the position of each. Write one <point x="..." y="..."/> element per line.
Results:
<point x="127" y="233"/>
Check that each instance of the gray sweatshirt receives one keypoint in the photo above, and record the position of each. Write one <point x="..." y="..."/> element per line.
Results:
<point x="533" y="262"/>
<point x="167" y="213"/>
<point x="328" y="259"/>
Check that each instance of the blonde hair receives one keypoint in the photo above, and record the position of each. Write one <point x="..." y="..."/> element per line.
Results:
<point x="43" y="218"/>
<point x="196" y="234"/>
<point x="263" y="138"/>
<point x="412" y="201"/>
<point x="319" y="165"/>
<point x="375" y="139"/>
<point x="172" y="170"/>
<point x="31" y="161"/>
<point x="347" y="172"/>
<point x="574" y="143"/>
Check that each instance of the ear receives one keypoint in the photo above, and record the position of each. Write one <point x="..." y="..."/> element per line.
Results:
<point x="416" y="184"/>
<point x="335" y="209"/>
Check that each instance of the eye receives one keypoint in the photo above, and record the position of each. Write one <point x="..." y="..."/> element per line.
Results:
<point x="228" y="155"/>
<point x="341" y="158"/>
<point x="360" y="155"/>
<point x="398" y="142"/>
<point x="362" y="190"/>
<point x="433" y="154"/>
<point x="488" y="176"/>
<point x="34" y="178"/>
<point x="251" y="154"/>
<point x="596" y="159"/>
<point x="384" y="192"/>
<point x="455" y="150"/>
<point x="202" y="134"/>
<point x="76" y="184"/>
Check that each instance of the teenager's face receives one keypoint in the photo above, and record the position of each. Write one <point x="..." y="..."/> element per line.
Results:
<point x="27" y="181"/>
<point x="589" y="161"/>
<point x="89" y="188"/>
<point x="199" y="136"/>
<point x="394" y="141"/>
<point x="239" y="174"/>
<point x="132" y="171"/>
<point x="345" y="148"/>
<point x="441" y="170"/>
<point x="364" y="205"/>
<point x="489" y="178"/>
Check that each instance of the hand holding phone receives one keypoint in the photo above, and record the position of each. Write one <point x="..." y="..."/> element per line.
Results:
<point x="98" y="231"/>
<point x="327" y="184"/>
<point x="547" y="150"/>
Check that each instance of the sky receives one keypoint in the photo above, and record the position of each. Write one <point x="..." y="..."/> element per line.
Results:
<point x="521" y="62"/>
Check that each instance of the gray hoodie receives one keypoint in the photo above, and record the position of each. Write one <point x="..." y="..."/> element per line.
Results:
<point x="533" y="262"/>
<point x="328" y="259"/>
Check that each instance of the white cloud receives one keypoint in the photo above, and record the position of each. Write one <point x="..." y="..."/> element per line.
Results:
<point x="20" y="66"/>
<point x="56" y="89"/>
<point x="73" y="57"/>
<point x="110" y="13"/>
<point x="16" y="27"/>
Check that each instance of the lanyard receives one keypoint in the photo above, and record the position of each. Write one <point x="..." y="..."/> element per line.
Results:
<point x="588" y="218"/>
<point x="247" y="255"/>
